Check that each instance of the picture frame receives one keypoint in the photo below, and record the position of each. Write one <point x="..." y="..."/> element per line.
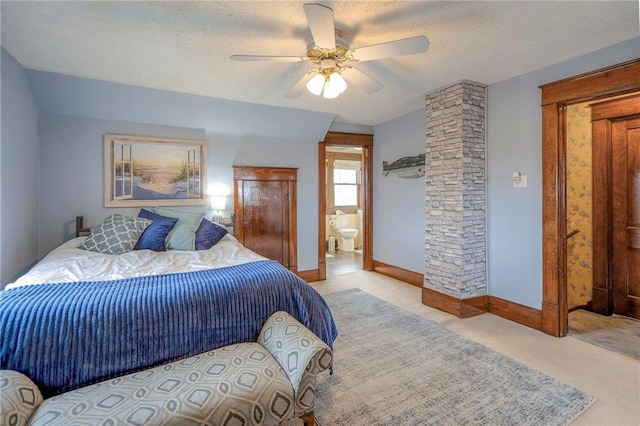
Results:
<point x="143" y="171"/>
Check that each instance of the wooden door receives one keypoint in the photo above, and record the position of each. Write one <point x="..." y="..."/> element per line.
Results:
<point x="265" y="221"/>
<point x="625" y="146"/>
<point x="616" y="200"/>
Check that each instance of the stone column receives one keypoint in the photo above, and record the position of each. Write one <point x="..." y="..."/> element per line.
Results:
<point x="455" y="247"/>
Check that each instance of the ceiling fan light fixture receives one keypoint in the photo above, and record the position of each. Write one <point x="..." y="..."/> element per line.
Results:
<point x="316" y="84"/>
<point x="329" y="85"/>
<point x="334" y="86"/>
<point x="331" y="53"/>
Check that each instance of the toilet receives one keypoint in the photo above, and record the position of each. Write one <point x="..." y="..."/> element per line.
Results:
<point x="345" y="235"/>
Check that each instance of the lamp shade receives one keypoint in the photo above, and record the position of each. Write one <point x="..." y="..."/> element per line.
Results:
<point x="334" y="86"/>
<point x="327" y="85"/>
<point x="316" y="84"/>
<point x="218" y="202"/>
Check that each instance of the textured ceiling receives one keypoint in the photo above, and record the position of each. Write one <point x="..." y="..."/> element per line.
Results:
<point x="185" y="46"/>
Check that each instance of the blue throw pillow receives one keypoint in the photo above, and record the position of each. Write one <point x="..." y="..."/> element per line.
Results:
<point x="208" y="234"/>
<point x="154" y="236"/>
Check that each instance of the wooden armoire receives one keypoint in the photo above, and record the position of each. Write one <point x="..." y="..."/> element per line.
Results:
<point x="265" y="212"/>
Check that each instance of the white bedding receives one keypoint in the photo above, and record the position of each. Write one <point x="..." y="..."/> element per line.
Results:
<point x="67" y="263"/>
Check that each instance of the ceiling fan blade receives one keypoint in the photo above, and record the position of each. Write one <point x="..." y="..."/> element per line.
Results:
<point x="320" y="19"/>
<point x="299" y="87"/>
<point x="360" y="79"/>
<point x="407" y="46"/>
<point x="262" y="58"/>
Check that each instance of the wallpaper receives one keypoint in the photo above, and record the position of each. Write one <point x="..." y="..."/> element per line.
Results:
<point x="579" y="205"/>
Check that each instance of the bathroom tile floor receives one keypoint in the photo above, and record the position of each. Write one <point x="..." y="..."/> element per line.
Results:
<point x="343" y="262"/>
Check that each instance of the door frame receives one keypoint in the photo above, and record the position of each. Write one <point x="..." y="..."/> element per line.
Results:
<point x="615" y="80"/>
<point x="364" y="141"/>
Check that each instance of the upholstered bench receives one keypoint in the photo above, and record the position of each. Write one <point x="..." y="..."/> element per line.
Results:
<point x="262" y="383"/>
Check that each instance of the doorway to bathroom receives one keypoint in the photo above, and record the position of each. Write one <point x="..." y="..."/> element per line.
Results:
<point x="345" y="229"/>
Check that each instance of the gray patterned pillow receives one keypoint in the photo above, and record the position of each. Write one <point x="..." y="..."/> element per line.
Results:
<point x="116" y="234"/>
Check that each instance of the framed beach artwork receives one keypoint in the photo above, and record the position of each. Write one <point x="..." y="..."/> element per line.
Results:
<point x="147" y="171"/>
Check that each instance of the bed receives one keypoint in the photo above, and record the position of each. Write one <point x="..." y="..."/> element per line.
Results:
<point x="79" y="317"/>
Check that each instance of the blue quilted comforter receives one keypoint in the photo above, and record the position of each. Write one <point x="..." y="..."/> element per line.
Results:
<point x="64" y="336"/>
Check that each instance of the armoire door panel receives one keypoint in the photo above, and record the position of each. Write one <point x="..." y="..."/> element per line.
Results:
<point x="265" y="210"/>
<point x="264" y="221"/>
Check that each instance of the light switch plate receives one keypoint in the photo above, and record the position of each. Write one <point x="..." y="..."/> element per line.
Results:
<point x="519" y="180"/>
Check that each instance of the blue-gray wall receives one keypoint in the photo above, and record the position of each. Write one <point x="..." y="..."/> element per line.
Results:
<point x="72" y="170"/>
<point x="18" y="172"/>
<point x="77" y="112"/>
<point x="514" y="216"/>
<point x="398" y="204"/>
<point x="514" y="135"/>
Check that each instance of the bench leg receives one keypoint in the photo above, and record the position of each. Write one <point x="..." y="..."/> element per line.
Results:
<point x="308" y="419"/>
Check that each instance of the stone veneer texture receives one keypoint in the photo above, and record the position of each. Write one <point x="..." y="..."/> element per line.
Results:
<point x="455" y="247"/>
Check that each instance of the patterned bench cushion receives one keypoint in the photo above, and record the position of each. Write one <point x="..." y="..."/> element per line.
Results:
<point x="232" y="385"/>
<point x="300" y="353"/>
<point x="19" y="396"/>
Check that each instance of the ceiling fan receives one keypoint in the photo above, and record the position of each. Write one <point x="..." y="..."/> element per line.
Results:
<point x="335" y="59"/>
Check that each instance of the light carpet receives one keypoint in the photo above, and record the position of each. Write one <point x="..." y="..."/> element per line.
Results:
<point x="393" y="367"/>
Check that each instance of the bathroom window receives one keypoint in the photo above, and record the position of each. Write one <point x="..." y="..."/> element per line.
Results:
<point x="345" y="187"/>
<point x="344" y="181"/>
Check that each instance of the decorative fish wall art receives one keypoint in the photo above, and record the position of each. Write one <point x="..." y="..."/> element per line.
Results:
<point x="405" y="167"/>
